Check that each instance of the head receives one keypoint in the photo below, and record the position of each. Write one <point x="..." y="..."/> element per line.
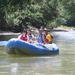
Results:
<point x="28" y="32"/>
<point x="45" y="31"/>
<point x="25" y="31"/>
<point x="37" y="31"/>
<point x="40" y="31"/>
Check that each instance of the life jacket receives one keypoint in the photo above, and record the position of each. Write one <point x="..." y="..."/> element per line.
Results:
<point x="48" y="38"/>
<point x="23" y="37"/>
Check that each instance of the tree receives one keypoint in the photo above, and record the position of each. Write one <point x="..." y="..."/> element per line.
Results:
<point x="21" y="13"/>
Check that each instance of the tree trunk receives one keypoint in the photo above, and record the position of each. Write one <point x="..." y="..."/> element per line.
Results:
<point x="3" y="23"/>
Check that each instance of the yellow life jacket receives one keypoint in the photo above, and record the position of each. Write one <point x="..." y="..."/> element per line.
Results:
<point x="49" y="38"/>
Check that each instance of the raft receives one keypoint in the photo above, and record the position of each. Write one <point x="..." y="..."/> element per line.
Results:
<point x="3" y="43"/>
<point x="16" y="46"/>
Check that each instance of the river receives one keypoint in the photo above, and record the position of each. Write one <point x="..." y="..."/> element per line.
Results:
<point x="61" y="64"/>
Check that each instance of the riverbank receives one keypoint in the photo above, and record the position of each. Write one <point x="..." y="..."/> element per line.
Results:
<point x="65" y="28"/>
<point x="8" y="33"/>
<point x="61" y="28"/>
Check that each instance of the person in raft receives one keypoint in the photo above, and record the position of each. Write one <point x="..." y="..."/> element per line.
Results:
<point x="23" y="36"/>
<point x="26" y="36"/>
<point x="48" y="37"/>
<point x="30" y="36"/>
<point x="40" y="36"/>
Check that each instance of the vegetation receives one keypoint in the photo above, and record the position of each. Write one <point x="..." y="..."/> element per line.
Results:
<point x="18" y="14"/>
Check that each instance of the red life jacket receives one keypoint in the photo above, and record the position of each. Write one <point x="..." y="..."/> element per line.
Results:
<point x="23" y="37"/>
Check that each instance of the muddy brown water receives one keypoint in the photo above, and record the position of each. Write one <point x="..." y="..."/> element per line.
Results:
<point x="61" y="64"/>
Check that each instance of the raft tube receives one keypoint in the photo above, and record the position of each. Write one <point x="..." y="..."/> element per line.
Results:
<point x="16" y="46"/>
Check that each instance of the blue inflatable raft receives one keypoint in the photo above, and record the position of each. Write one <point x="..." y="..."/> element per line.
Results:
<point x="16" y="46"/>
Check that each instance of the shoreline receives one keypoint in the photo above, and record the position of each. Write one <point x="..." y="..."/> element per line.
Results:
<point x="58" y="29"/>
<point x="64" y="29"/>
<point x="8" y="33"/>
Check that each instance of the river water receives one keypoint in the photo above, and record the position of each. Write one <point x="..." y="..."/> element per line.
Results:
<point x="61" y="64"/>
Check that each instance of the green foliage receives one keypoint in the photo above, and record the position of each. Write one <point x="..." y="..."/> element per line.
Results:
<point x="37" y="13"/>
<point x="66" y="11"/>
